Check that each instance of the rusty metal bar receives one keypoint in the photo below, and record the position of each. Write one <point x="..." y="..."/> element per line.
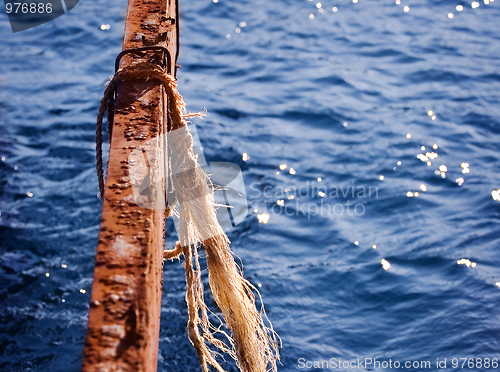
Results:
<point x="124" y="316"/>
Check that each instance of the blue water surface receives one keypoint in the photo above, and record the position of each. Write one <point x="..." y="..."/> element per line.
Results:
<point x="378" y="237"/>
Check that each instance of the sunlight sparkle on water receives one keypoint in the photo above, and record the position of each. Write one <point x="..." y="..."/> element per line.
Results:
<point x="398" y="2"/>
<point x="406" y="8"/>
<point x="435" y="147"/>
<point x="105" y="27"/>
<point x="497" y="284"/>
<point x="283" y="166"/>
<point x="82" y="291"/>
<point x="460" y="8"/>
<point x="243" y="24"/>
<point x="495" y="194"/>
<point x="409" y="194"/>
<point x="408" y="135"/>
<point x="381" y="178"/>
<point x="385" y="264"/>
<point x="399" y="163"/>
<point x="423" y="187"/>
<point x="318" y="5"/>
<point x="466" y="262"/>
<point x="47" y="275"/>
<point x="430" y="113"/>
<point x="474" y="5"/>
<point x="245" y="156"/>
<point x="451" y="15"/>
<point x="292" y="171"/>
<point x="280" y="202"/>
<point x="311" y="16"/>
<point x="64" y="266"/>
<point x="263" y="218"/>
<point x="374" y="246"/>
<point x="460" y="181"/>
<point x="320" y="179"/>
<point x="335" y="9"/>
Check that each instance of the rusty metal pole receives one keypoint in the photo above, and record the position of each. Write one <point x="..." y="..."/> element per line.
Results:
<point x="124" y="316"/>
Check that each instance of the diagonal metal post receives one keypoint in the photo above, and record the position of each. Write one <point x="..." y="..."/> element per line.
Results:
<point x="124" y="315"/>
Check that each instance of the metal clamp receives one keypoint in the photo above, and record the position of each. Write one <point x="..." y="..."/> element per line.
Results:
<point x="167" y="59"/>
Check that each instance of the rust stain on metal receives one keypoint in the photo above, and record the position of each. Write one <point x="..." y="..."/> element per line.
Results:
<point x="124" y="315"/>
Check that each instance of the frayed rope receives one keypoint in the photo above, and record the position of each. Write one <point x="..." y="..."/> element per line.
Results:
<point x="253" y="345"/>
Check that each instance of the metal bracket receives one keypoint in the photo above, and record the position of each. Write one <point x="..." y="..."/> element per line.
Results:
<point x="167" y="59"/>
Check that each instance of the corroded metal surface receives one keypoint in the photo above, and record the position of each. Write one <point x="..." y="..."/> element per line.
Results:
<point x="124" y="315"/>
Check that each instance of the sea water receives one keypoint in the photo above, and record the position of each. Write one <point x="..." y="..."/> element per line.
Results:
<point x="368" y="137"/>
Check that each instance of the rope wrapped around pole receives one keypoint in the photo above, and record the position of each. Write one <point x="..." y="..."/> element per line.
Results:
<point x="134" y="71"/>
